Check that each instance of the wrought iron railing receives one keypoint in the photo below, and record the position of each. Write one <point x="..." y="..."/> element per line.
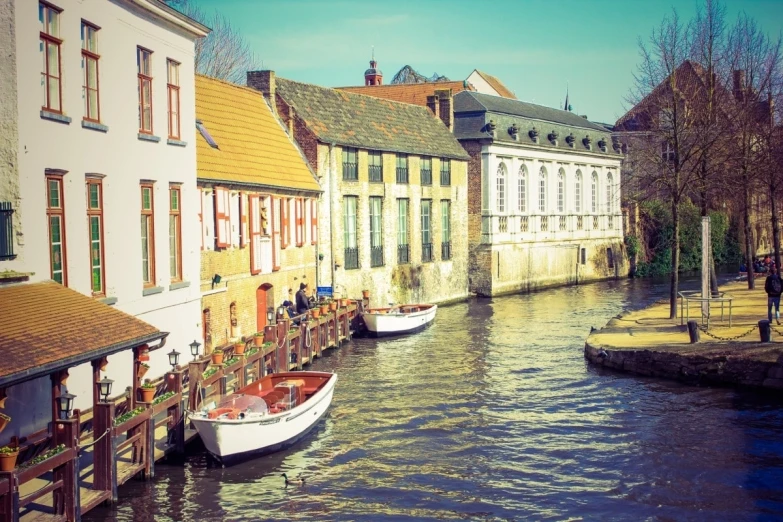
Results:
<point x="562" y="222"/>
<point x="376" y="256"/>
<point x="445" y="250"/>
<point x="426" y="177"/>
<point x="403" y="254"/>
<point x="502" y="224"/>
<point x="595" y="222"/>
<point x="375" y="173"/>
<point x="402" y="175"/>
<point x="350" y="172"/>
<point x="6" y="231"/>
<point x="524" y="224"/>
<point x="445" y="178"/>
<point x="544" y="223"/>
<point x="579" y="223"/>
<point x="351" y="258"/>
<point x="426" y="252"/>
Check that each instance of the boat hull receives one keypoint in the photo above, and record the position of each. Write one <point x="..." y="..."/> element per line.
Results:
<point x="391" y="324"/>
<point x="232" y="441"/>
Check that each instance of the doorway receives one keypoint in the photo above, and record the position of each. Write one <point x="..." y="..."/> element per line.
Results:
<point x="263" y="295"/>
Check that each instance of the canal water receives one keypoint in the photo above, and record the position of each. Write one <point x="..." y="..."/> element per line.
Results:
<point x="493" y="414"/>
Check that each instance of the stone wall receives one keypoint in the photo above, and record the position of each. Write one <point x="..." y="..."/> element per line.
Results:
<point x="9" y="132"/>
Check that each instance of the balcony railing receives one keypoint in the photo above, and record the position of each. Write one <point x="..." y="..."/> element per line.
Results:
<point x="562" y="222"/>
<point x="402" y="175"/>
<point x="350" y="172"/>
<point x="502" y="224"/>
<point x="544" y="223"/>
<point x="403" y="254"/>
<point x="524" y="224"/>
<point x="6" y="231"/>
<point x="579" y="223"/>
<point x="375" y="173"/>
<point x="595" y="222"/>
<point x="426" y="252"/>
<point x="445" y="250"/>
<point x="351" y="258"/>
<point x="376" y="256"/>
<point x="426" y="177"/>
<point x="610" y="222"/>
<point x="445" y="178"/>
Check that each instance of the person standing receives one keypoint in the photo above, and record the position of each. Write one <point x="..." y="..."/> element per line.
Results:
<point x="774" y="287"/>
<point x="302" y="306"/>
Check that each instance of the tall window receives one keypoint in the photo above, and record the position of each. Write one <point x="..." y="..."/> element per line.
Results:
<point x="376" y="232"/>
<point x="426" y="170"/>
<point x="403" y="248"/>
<point x="349" y="230"/>
<point x="90" y="72"/>
<point x="95" y="223"/>
<point x="445" y="221"/>
<point x="578" y="192"/>
<point x="561" y="191"/>
<point x="445" y="172"/>
<point x="667" y="152"/>
<point x="143" y="59"/>
<point x="542" y="190"/>
<point x="55" y="213"/>
<point x="172" y="85"/>
<point x="147" y="236"/>
<point x="594" y="191"/>
<point x="175" y="233"/>
<point x="402" y="168"/>
<point x="51" y="87"/>
<point x="501" y="188"/>
<point x="350" y="172"/>
<point x="426" y="230"/>
<point x="375" y="167"/>
<point x="609" y="198"/>
<point x="522" y="190"/>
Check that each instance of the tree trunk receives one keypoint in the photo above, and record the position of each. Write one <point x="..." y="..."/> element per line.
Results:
<point x="775" y="227"/>
<point x="750" y="255"/>
<point x="675" y="275"/>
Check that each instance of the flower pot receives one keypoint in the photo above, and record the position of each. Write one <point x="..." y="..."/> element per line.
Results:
<point x="147" y="394"/>
<point x="316" y="313"/>
<point x="324" y="309"/>
<point x="217" y="358"/>
<point x="239" y="348"/>
<point x="258" y="340"/>
<point x="333" y="306"/>
<point x="365" y="294"/>
<point x="142" y="371"/>
<point x="346" y="302"/>
<point x="8" y="461"/>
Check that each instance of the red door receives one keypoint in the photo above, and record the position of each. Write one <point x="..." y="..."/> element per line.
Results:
<point x="261" y="306"/>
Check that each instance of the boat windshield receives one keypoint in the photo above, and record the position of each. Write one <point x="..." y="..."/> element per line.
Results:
<point x="244" y="403"/>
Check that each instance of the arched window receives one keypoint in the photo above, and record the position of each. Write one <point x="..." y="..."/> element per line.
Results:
<point x="578" y="192"/>
<point x="501" y="188"/>
<point x="609" y="193"/>
<point x="542" y="190"/>
<point x="594" y="205"/>
<point x="522" y="190"/>
<point x="561" y="191"/>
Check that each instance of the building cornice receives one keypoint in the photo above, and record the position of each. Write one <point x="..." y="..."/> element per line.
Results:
<point x="172" y="16"/>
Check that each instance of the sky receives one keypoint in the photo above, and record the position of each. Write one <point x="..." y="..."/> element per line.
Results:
<point x="538" y="49"/>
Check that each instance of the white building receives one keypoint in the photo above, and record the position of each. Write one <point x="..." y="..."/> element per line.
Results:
<point x="543" y="195"/>
<point x="106" y="141"/>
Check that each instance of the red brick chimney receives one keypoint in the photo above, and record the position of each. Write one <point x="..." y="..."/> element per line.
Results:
<point x="433" y="105"/>
<point x="264" y="81"/>
<point x="445" y="107"/>
<point x="373" y="75"/>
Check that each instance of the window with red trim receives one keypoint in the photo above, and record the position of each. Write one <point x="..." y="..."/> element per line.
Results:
<point x="51" y="84"/>
<point x="55" y="213"/>
<point x="147" y="235"/>
<point x="90" y="59"/>
<point x="172" y="86"/>
<point x="143" y="64"/>
<point x="95" y="228"/>
<point x="175" y="233"/>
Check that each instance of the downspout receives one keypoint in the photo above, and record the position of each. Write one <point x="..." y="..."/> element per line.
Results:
<point x="332" y="192"/>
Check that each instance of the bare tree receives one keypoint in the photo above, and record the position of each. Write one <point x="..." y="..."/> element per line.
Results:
<point x="224" y="53"/>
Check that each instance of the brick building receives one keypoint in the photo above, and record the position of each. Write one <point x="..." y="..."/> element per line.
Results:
<point x="259" y="217"/>
<point x="393" y="214"/>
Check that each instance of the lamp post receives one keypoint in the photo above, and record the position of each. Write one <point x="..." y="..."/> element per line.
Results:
<point x="280" y="311"/>
<point x="270" y="315"/>
<point x="65" y="404"/>
<point x="173" y="359"/>
<point x="194" y="349"/>
<point x="104" y="386"/>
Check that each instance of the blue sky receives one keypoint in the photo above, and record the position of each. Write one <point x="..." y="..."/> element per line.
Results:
<point x="534" y="47"/>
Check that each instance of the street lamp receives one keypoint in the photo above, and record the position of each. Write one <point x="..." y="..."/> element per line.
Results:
<point x="104" y="386"/>
<point x="270" y="315"/>
<point x="65" y="404"/>
<point x="173" y="359"/>
<point x="194" y="349"/>
<point x="281" y="311"/>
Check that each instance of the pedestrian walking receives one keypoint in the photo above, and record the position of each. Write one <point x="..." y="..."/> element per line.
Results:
<point x="774" y="287"/>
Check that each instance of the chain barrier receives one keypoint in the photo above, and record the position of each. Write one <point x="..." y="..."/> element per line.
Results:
<point x="703" y="330"/>
<point x="776" y="330"/>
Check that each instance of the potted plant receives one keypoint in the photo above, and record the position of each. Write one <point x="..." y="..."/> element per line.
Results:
<point x="4" y="420"/>
<point x="143" y="369"/>
<point x="345" y="302"/>
<point x="324" y="308"/>
<point x="316" y="312"/>
<point x="365" y="294"/>
<point x="239" y="348"/>
<point x="333" y="306"/>
<point x="147" y="392"/>
<point x="258" y="339"/>
<point x="8" y="458"/>
<point x="217" y="356"/>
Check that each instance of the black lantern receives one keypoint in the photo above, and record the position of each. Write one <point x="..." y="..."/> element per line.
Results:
<point x="281" y="311"/>
<point x="270" y="315"/>
<point x="65" y="404"/>
<point x="173" y="359"/>
<point x="194" y="349"/>
<point x="104" y="387"/>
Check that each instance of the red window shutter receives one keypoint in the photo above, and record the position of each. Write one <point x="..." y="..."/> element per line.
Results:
<point x="244" y="203"/>
<point x="227" y="205"/>
<point x="275" y="234"/>
<point x="283" y="222"/>
<point x="299" y="222"/>
<point x="255" y="234"/>
<point x="221" y="238"/>
<point x="313" y="222"/>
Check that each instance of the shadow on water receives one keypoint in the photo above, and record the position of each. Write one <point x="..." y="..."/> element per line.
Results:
<point x="493" y="414"/>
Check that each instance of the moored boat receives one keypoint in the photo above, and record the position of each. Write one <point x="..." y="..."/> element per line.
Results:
<point x="268" y="415"/>
<point x="398" y="320"/>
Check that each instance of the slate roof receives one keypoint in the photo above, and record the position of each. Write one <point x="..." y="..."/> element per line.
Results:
<point x="45" y="327"/>
<point x="496" y="84"/>
<point x="361" y="121"/>
<point x="415" y="93"/>
<point x="466" y="102"/>
<point x="253" y="148"/>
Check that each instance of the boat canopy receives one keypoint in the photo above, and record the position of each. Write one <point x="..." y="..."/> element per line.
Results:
<point x="244" y="403"/>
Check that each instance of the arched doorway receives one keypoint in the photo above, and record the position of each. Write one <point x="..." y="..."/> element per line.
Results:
<point x="263" y="297"/>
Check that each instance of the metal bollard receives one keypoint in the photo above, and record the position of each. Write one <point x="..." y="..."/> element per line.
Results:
<point x="693" y="331"/>
<point x="765" y="331"/>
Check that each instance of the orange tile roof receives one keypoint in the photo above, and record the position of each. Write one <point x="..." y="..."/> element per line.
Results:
<point x="415" y="93"/>
<point x="45" y="327"/>
<point x="252" y="148"/>
<point x="496" y="84"/>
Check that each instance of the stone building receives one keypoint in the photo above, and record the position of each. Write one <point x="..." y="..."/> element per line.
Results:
<point x="543" y="195"/>
<point x="258" y="214"/>
<point x="393" y="216"/>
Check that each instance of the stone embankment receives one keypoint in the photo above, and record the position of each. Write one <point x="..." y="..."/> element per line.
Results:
<point x="647" y="342"/>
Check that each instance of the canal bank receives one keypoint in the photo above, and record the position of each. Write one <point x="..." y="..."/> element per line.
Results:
<point x="646" y="342"/>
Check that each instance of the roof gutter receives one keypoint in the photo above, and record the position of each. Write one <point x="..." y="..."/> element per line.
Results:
<point x="257" y="186"/>
<point x="171" y="15"/>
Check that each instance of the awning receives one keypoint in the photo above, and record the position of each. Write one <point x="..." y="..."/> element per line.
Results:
<point x="46" y="327"/>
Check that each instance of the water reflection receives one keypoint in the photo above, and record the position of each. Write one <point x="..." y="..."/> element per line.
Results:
<point x="493" y="414"/>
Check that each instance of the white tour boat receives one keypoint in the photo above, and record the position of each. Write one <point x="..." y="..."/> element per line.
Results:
<point x="268" y="415"/>
<point x="398" y="320"/>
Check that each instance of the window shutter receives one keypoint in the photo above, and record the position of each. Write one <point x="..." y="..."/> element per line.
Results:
<point x="227" y="205"/>
<point x="276" y="239"/>
<point x="283" y="222"/>
<point x="299" y="222"/>
<point x="201" y="216"/>
<point x="255" y="234"/>
<point x="313" y="221"/>
<point x="244" y="203"/>
<point x="221" y="238"/>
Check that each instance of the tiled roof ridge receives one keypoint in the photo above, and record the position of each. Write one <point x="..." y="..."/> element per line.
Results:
<point x="230" y="84"/>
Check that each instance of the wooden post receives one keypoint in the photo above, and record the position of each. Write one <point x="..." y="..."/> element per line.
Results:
<point x="65" y="432"/>
<point x="104" y="456"/>
<point x="9" y="503"/>
<point x="177" y="426"/>
<point x="149" y="454"/>
<point x="765" y="331"/>
<point x="693" y="331"/>
<point x="96" y="376"/>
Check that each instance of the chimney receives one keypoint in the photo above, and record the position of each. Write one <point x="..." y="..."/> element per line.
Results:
<point x="432" y="104"/>
<point x="445" y="107"/>
<point x="739" y="85"/>
<point x="291" y="117"/>
<point x="264" y="81"/>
